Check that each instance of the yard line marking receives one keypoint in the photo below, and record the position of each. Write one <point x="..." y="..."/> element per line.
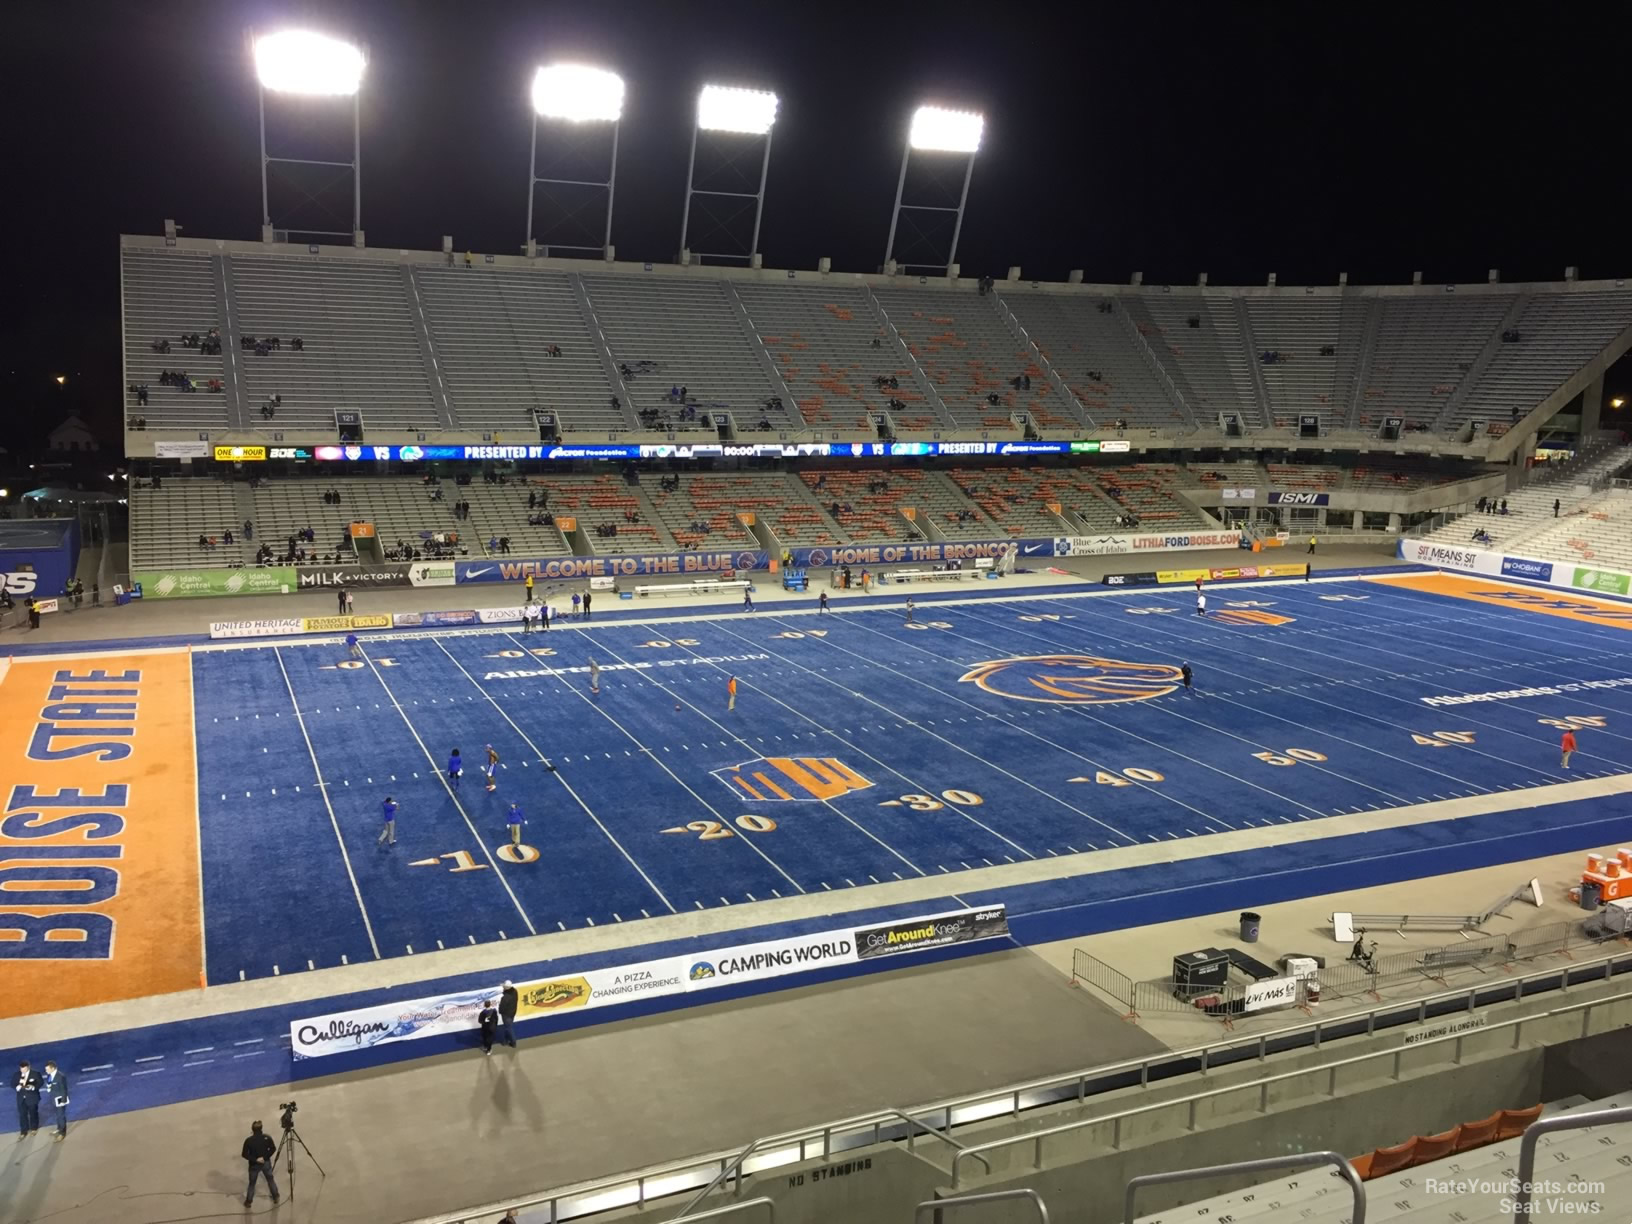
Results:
<point x="333" y="821"/>
<point x="828" y="804"/>
<point x="487" y="852"/>
<point x="1464" y="715"/>
<point x="526" y="739"/>
<point x="723" y="819"/>
<point x="945" y="696"/>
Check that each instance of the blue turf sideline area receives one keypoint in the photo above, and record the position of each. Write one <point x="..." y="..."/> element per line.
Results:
<point x="862" y="749"/>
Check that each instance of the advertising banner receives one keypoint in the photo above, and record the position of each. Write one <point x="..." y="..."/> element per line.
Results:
<point x="352" y="576"/>
<point x="1238" y="494"/>
<point x="1299" y="499"/>
<point x="240" y="454"/>
<point x="1196" y="539"/>
<point x="555" y="569"/>
<point x="334" y="624"/>
<point x="932" y="932"/>
<point x="915" y="554"/>
<point x="434" y="620"/>
<point x="1270" y="993"/>
<point x="181" y="450"/>
<point x="412" y="1019"/>
<point x="188" y="584"/>
<point x="1145" y="579"/>
<point x="257" y="628"/>
<point x="751" y="962"/>
<point x="1451" y="556"/>
<point x="1607" y="582"/>
<point x="431" y="573"/>
<point x="45" y="605"/>
<point x="498" y="616"/>
<point x="1521" y="567"/>
<point x="1234" y="573"/>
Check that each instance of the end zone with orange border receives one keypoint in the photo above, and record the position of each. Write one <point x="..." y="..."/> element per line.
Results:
<point x="1571" y="606"/>
<point x="99" y="871"/>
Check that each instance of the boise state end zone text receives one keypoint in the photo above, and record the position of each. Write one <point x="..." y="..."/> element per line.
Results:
<point x="90" y="715"/>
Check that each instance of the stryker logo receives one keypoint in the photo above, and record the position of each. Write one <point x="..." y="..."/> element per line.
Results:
<point x="342" y="1030"/>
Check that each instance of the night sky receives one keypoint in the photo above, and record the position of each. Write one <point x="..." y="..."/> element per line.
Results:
<point x="1170" y="138"/>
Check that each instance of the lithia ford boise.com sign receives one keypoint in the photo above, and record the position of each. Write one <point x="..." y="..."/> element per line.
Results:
<point x="707" y="969"/>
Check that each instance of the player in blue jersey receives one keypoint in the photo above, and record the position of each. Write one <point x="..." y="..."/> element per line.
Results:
<point x="353" y="646"/>
<point x="456" y="768"/>
<point x="388" y="832"/>
<point x="515" y="820"/>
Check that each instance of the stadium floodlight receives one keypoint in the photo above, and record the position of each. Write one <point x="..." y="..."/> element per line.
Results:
<point x="578" y="94"/>
<point x="582" y="97"/>
<point x="304" y="62"/>
<point x="316" y="66"/>
<point x="938" y="131"/>
<point x="731" y="115"/>
<point x="935" y="130"/>
<point x="720" y="108"/>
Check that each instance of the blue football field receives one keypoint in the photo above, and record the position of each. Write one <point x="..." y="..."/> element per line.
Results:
<point x="862" y="749"/>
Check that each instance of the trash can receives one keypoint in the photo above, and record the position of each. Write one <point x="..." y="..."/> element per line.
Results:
<point x="1249" y="926"/>
<point x="1592" y="894"/>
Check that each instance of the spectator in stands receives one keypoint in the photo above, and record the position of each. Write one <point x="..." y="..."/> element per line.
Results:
<point x="226" y="537"/>
<point x="297" y="344"/>
<point x="492" y="544"/>
<point x="1479" y="505"/>
<point x="249" y="530"/>
<point x="203" y="540"/>
<point x="1504" y="507"/>
<point x="1555" y="507"/>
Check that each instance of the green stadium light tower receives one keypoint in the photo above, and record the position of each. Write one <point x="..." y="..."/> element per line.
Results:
<point x="578" y="103"/>
<point x="303" y="64"/>
<point x="943" y="134"/>
<point x="738" y="123"/>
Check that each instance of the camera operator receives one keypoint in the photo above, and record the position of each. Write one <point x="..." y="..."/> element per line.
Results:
<point x="258" y="1152"/>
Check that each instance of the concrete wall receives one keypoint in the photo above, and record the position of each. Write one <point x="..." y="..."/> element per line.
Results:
<point x="1371" y="1109"/>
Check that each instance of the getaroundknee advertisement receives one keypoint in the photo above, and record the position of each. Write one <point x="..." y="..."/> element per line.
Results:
<point x="440" y="1015"/>
<point x="933" y="932"/>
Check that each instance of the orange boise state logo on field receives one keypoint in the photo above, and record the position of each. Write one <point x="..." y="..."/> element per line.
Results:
<point x="792" y="779"/>
<point x="1074" y="679"/>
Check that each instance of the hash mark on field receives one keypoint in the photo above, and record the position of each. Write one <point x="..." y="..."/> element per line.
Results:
<point x="109" y="1066"/>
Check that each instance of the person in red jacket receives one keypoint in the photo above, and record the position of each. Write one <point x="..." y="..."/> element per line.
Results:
<point x="1567" y="745"/>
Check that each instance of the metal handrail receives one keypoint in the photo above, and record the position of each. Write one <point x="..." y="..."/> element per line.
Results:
<point x="730" y="1208"/>
<point x="1546" y="1126"/>
<point x="725" y="1171"/>
<point x="819" y="1138"/>
<point x="946" y="1137"/>
<point x="1262" y="1085"/>
<point x="1302" y="1160"/>
<point x="971" y="1200"/>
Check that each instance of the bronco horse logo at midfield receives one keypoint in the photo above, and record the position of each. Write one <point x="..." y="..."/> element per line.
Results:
<point x="1067" y="679"/>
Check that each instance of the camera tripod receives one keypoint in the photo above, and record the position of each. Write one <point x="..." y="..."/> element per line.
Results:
<point x="291" y="1137"/>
